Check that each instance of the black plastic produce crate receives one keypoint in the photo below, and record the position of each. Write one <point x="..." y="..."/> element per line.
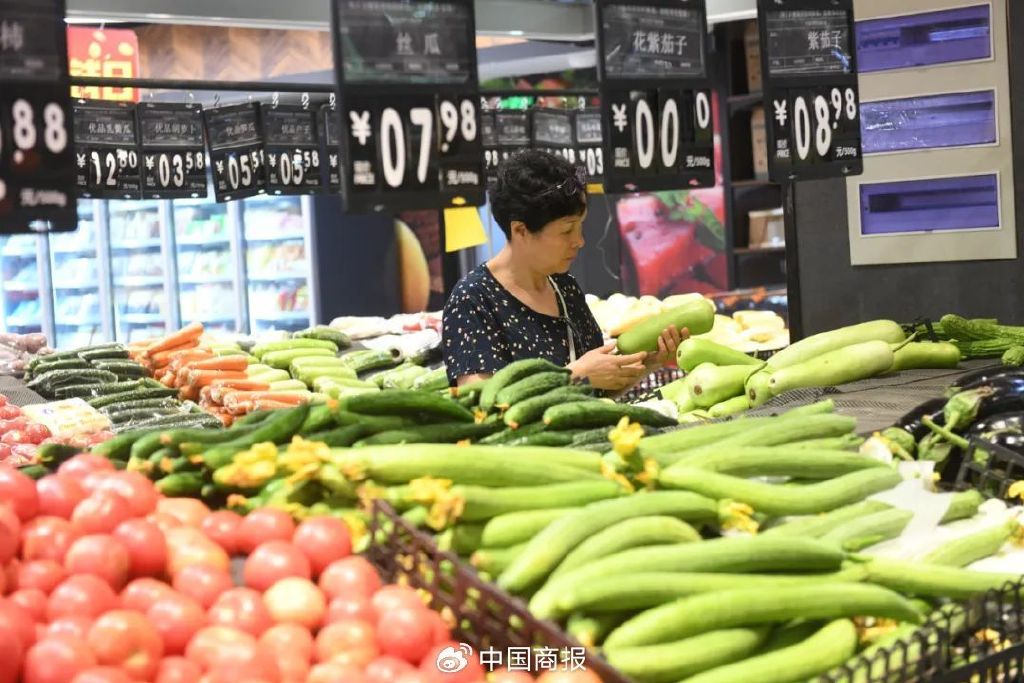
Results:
<point x="990" y="468"/>
<point x="647" y="388"/>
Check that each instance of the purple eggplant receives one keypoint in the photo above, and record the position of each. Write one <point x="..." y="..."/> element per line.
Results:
<point x="982" y="376"/>
<point x="911" y="422"/>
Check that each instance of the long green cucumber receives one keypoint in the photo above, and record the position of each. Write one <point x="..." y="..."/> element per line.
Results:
<point x="824" y="342"/>
<point x="549" y="547"/>
<point x="972" y="547"/>
<point x="442" y="432"/>
<point x="645" y="589"/>
<point x="785" y="429"/>
<point x="518" y="527"/>
<point x="924" y="355"/>
<point x="667" y="447"/>
<point x="841" y="366"/>
<point x="712" y="384"/>
<point x="511" y="373"/>
<point x="731" y="406"/>
<point x="934" y="580"/>
<point x="754" y="606"/>
<point x="758" y="388"/>
<point x="495" y="560"/>
<point x="629" y="533"/>
<point x="693" y="352"/>
<point x="591" y="629"/>
<point x="424" y="405"/>
<point x="532" y="409"/>
<point x="483" y="503"/>
<point x="828" y="648"/>
<point x="528" y="387"/>
<point x="675" y="661"/>
<point x="293" y="345"/>
<point x="783" y="500"/>
<point x="847" y="442"/>
<point x="696" y="316"/>
<point x="737" y="555"/>
<point x="601" y="413"/>
<point x="781" y="461"/>
<point x="279" y="428"/>
<point x="509" y="435"/>
<point x="870" y="529"/>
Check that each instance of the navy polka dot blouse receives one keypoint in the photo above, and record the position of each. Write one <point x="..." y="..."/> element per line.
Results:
<point x="486" y="328"/>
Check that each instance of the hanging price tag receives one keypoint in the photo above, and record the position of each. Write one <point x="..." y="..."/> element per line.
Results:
<point x="812" y="100"/>
<point x="291" y="146"/>
<point x="409" y="105"/>
<point x="106" y="150"/>
<point x="655" y="95"/>
<point x="512" y="128"/>
<point x="236" y="151"/>
<point x="553" y="133"/>
<point x="37" y="161"/>
<point x="589" y="143"/>
<point x="173" y="153"/>
<point x="331" y="125"/>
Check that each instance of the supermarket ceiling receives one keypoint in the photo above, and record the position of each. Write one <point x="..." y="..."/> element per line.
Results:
<point x="569" y="20"/>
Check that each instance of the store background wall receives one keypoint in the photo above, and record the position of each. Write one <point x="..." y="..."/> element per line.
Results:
<point x="834" y="293"/>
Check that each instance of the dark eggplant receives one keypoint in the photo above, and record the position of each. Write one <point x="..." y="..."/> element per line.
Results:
<point x="985" y="375"/>
<point x="1007" y="439"/>
<point x="1001" y="422"/>
<point x="911" y="422"/>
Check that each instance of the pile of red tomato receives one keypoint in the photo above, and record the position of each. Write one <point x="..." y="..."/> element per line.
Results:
<point x="20" y="437"/>
<point x="105" y="581"/>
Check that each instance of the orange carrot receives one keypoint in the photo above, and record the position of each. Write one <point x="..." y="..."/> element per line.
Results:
<point x="291" y="397"/>
<point x="221" y="363"/>
<point x="168" y="356"/>
<point x="189" y="333"/>
<point x="200" y="378"/>
<point x="222" y="387"/>
<point x="267" y="404"/>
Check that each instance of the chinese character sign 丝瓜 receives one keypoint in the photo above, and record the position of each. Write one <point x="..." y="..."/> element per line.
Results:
<point x="106" y="53"/>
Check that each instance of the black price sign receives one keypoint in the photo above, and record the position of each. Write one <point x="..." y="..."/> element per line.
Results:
<point x="657" y="122"/>
<point x="553" y="133"/>
<point x="37" y="160"/>
<point x="332" y="131"/>
<point x="512" y="129"/>
<point x="812" y="100"/>
<point x="489" y="138"/>
<point x="589" y="142"/>
<point x="409" y="105"/>
<point x="236" y="151"/>
<point x="173" y="153"/>
<point x="291" y="144"/>
<point x="106" y="150"/>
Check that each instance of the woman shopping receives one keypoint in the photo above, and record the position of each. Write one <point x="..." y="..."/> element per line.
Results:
<point x="523" y="303"/>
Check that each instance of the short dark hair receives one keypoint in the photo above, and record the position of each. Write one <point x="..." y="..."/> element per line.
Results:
<point x="523" y="191"/>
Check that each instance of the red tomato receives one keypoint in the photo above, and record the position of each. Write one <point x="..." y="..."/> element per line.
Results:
<point x="102" y="674"/>
<point x="350" y="577"/>
<point x="19" y="491"/>
<point x="10" y="572"/>
<point x="187" y="547"/>
<point x="287" y="639"/>
<point x="177" y="618"/>
<point x="15" y="437"/>
<point x="15" y="423"/>
<point x="9" y="412"/>
<point x="296" y="601"/>
<point x="100" y="513"/>
<point x="58" y="495"/>
<point x="241" y="608"/>
<point x="435" y="658"/>
<point x="79" y="466"/>
<point x="568" y="677"/>
<point x="390" y="598"/>
<point x="3" y="400"/>
<point x="126" y="639"/>
<point x="323" y="540"/>
<point x="406" y="633"/>
<point x="18" y="619"/>
<point x="10" y="533"/>
<point x="141" y="594"/>
<point x="273" y="561"/>
<point x="202" y="583"/>
<point x="178" y="670"/>
<point x="32" y="600"/>
<point x="134" y="488"/>
<point x="424" y="676"/>
<point x="349" y="642"/>
<point x="101" y="555"/>
<point x="211" y="642"/>
<point x="332" y="672"/>
<point x="146" y="546"/>
<point x="188" y="511"/>
<point x="81" y="595"/>
<point x="222" y="528"/>
<point x="293" y="668"/>
<point x="387" y="669"/>
<point x="505" y="676"/>
<point x="11" y="651"/>
<point x="37" y="433"/>
<point x="47" y="538"/>
<point x="262" y="525"/>
<point x="350" y="608"/>
<point x="57" y="660"/>
<point x="70" y="626"/>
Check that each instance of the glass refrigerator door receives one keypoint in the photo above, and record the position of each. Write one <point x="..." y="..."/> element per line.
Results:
<point x="277" y="263"/>
<point x="206" y="267"/>
<point x="77" y="293"/>
<point x="22" y="308"/>
<point x="137" y="269"/>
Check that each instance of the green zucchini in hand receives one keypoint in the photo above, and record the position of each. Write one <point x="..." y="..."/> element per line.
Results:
<point x="697" y="317"/>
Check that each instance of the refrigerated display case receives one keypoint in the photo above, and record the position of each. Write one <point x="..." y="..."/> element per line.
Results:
<point x="138" y="260"/>
<point x="277" y="237"/>
<point x="209" y="280"/>
<point x="22" y="304"/>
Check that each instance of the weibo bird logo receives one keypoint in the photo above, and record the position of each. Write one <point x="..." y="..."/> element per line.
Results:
<point x="451" y="660"/>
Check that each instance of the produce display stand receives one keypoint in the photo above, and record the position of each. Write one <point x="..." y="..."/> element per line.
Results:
<point x="17" y="393"/>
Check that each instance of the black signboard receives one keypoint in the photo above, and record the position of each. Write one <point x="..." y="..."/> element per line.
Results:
<point x="410" y="110"/>
<point x="512" y="130"/>
<point x="291" y="143"/>
<point x="655" y="95"/>
<point x="106" y="150"/>
<point x="332" y="131"/>
<point x="553" y="132"/>
<point x="37" y="160"/>
<point x="235" y="148"/>
<point x="812" y="101"/>
<point x="173" y="153"/>
<point x="589" y="142"/>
